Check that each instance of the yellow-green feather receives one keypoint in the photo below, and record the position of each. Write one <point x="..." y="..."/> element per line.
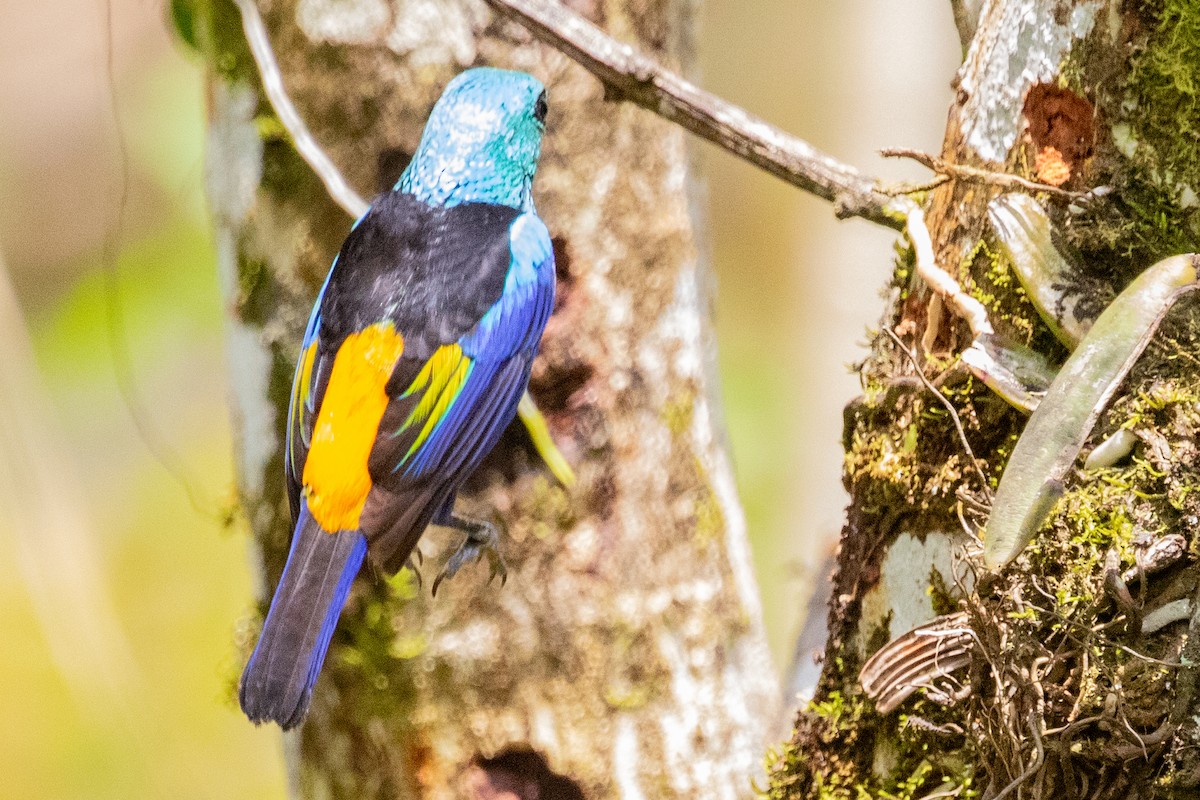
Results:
<point x="441" y="380"/>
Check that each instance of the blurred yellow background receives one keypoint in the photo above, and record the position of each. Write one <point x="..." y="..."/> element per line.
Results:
<point x="120" y="596"/>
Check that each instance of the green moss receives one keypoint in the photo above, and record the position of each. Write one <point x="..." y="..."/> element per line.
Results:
<point x="902" y="445"/>
<point x="367" y="657"/>
<point x="1149" y="152"/>
<point x="183" y="21"/>
<point x="257" y="294"/>
<point x="406" y="646"/>
<point x="906" y="787"/>
<point x="943" y="598"/>
<point x="709" y="521"/>
<point x="906" y="261"/>
<point x="829" y="777"/>
<point x="1091" y="518"/>
<point x="836" y="711"/>
<point x="1164" y="117"/>
<point x="404" y="585"/>
<point x="626" y="698"/>
<point x="1010" y="310"/>
<point x="917" y="760"/>
<point x="214" y="28"/>
<point x="634" y="680"/>
<point x="1105" y="509"/>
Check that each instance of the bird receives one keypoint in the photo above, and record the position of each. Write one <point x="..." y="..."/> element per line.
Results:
<point x="413" y="362"/>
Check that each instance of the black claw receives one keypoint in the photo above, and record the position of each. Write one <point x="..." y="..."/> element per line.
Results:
<point x="481" y="539"/>
<point x="413" y="568"/>
<point x="497" y="567"/>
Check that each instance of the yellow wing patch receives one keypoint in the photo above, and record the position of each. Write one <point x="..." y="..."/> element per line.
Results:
<point x="336" y="480"/>
<point x="305" y="376"/>
<point x="300" y="390"/>
<point x="440" y="380"/>
<point x="303" y="388"/>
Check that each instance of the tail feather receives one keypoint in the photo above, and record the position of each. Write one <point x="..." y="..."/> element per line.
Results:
<point x="278" y="681"/>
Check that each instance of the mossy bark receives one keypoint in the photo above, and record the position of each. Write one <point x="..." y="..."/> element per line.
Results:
<point x="625" y="656"/>
<point x="1065" y="696"/>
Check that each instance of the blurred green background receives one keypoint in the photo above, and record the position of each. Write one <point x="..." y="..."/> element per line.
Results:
<point x="121" y="596"/>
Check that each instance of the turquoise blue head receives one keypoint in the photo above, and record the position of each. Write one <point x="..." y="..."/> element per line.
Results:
<point x="482" y="141"/>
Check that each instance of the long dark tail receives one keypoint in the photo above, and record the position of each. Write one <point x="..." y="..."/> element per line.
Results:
<point x="278" y="681"/>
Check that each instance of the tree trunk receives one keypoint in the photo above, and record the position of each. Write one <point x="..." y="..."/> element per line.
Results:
<point x="1063" y="695"/>
<point x="625" y="656"/>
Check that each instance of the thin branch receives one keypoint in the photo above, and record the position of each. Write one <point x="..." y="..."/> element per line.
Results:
<point x="976" y="175"/>
<point x="272" y="80"/>
<point x="897" y="189"/>
<point x="938" y="279"/>
<point x="630" y="75"/>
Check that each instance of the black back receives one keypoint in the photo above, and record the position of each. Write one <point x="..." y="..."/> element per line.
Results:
<point x="433" y="271"/>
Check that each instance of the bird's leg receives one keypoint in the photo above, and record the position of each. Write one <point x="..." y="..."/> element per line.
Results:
<point x="482" y="538"/>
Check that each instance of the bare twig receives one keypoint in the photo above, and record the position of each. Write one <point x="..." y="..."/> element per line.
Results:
<point x="1118" y="591"/>
<point x="306" y="145"/>
<point x="940" y="792"/>
<point x="897" y="189"/>
<point x="630" y="75"/>
<point x="962" y="172"/>
<point x="938" y="279"/>
<point x="965" y="306"/>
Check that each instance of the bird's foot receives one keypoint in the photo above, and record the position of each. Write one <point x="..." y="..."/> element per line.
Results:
<point x="482" y="539"/>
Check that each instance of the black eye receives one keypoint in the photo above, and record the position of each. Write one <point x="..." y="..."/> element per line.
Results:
<point x="540" y="108"/>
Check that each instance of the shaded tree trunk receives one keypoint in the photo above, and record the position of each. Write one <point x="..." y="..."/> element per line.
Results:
<point x="1064" y="696"/>
<point x="625" y="655"/>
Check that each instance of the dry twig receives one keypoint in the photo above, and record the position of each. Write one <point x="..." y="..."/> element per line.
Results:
<point x="965" y="306"/>
<point x="306" y="144"/>
<point x="975" y="174"/>
<point x="630" y="75"/>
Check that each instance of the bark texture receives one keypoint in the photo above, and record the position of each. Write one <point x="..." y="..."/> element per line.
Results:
<point x="1063" y="696"/>
<point x="625" y="655"/>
